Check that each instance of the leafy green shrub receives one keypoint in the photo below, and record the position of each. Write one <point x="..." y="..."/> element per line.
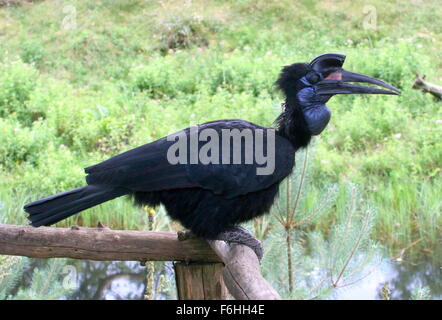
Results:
<point x="17" y="81"/>
<point x="367" y="123"/>
<point x="22" y="144"/>
<point x="181" y="73"/>
<point x="168" y="76"/>
<point x="181" y="32"/>
<point x="108" y="135"/>
<point x="32" y="52"/>
<point x="393" y="63"/>
<point x="58" y="169"/>
<point x="40" y="101"/>
<point x="73" y="117"/>
<point x="243" y="72"/>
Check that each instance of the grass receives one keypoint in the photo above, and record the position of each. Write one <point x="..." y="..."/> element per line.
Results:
<point x="130" y="72"/>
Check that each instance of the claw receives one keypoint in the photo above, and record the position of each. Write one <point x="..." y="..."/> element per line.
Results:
<point x="242" y="236"/>
<point x="185" y="235"/>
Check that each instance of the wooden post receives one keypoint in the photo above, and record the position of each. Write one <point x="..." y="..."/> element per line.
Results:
<point x="200" y="275"/>
<point x="242" y="274"/>
<point x="200" y="281"/>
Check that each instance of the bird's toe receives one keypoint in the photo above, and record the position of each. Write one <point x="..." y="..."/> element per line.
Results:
<point x="240" y="235"/>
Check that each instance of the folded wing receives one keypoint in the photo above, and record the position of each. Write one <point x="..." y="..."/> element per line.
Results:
<point x="147" y="169"/>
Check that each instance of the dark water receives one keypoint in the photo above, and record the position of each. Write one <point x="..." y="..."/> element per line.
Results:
<point x="127" y="280"/>
<point x="400" y="278"/>
<point x="118" y="280"/>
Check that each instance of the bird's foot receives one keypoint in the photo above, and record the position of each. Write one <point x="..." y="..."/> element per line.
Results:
<point x="243" y="236"/>
<point x="185" y="235"/>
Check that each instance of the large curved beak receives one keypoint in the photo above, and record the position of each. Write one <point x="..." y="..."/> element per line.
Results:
<point x="337" y="82"/>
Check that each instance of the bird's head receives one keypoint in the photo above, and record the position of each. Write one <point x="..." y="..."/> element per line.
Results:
<point x="308" y="86"/>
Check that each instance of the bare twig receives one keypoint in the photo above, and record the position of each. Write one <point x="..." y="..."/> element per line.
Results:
<point x="421" y="84"/>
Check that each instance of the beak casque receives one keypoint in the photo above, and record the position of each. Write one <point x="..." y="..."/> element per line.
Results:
<point x="336" y="79"/>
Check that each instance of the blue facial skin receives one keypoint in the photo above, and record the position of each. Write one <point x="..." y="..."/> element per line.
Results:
<point x="316" y="113"/>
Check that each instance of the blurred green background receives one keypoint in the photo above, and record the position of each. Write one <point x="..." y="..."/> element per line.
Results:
<point x="82" y="81"/>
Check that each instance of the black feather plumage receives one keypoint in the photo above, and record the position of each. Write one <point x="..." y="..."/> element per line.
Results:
<point x="207" y="199"/>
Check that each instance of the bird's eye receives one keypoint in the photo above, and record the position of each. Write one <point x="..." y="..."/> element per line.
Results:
<point x="312" y="77"/>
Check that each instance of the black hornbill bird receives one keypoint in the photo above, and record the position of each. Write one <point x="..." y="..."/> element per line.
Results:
<point x="211" y="199"/>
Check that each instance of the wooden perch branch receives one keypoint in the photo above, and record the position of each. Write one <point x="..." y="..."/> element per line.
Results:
<point x="421" y="84"/>
<point x="241" y="274"/>
<point x="101" y="243"/>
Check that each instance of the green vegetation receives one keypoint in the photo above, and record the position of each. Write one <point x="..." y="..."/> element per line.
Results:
<point x="44" y="283"/>
<point x="82" y="81"/>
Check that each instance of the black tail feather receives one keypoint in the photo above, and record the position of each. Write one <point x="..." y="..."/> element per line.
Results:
<point x="55" y="208"/>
